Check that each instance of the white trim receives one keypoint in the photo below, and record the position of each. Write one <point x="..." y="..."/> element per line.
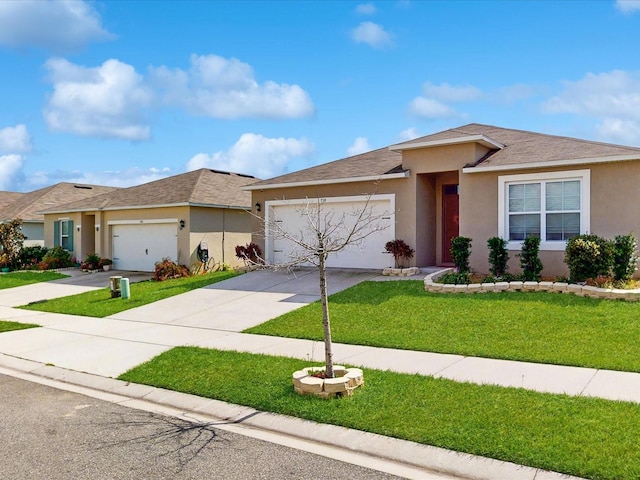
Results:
<point x="481" y="139"/>
<point x="391" y="197"/>
<point x="142" y="222"/>
<point x="309" y="183"/>
<point x="585" y="203"/>
<point x="559" y="163"/>
<point x="143" y="207"/>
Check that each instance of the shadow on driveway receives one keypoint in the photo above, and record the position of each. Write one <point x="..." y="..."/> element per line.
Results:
<point x="99" y="279"/>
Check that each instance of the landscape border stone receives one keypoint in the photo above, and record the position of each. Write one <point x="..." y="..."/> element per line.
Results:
<point x="431" y="285"/>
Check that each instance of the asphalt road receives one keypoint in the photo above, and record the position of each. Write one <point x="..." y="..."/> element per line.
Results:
<point x="55" y="434"/>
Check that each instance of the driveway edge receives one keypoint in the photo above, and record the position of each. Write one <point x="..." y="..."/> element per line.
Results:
<point x="434" y="460"/>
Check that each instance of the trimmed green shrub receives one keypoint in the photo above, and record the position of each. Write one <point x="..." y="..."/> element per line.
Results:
<point x="625" y="258"/>
<point x="529" y="261"/>
<point x="498" y="256"/>
<point x="57" y="257"/>
<point x="455" y="279"/>
<point x="588" y="256"/>
<point x="460" y="252"/>
<point x="30" y="256"/>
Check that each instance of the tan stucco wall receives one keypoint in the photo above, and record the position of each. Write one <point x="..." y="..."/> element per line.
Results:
<point x="200" y="224"/>
<point x="222" y="230"/>
<point x="614" y="199"/>
<point x="417" y="198"/>
<point x="613" y="203"/>
<point x="76" y="217"/>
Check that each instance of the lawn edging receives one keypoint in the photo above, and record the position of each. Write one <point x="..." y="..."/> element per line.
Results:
<point x="431" y="285"/>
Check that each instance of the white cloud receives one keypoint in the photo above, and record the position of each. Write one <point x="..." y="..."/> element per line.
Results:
<point x="56" y="25"/>
<point x="366" y="9"/>
<point x="15" y="139"/>
<point x="513" y="93"/>
<point x="359" y="145"/>
<point x="408" y="134"/>
<point x="628" y="6"/>
<point x="10" y="169"/>
<point x="449" y="93"/>
<point x="227" y="88"/>
<point x="113" y="178"/>
<point x="611" y="97"/>
<point x="430" y="108"/>
<point x="372" y="34"/>
<point x="105" y="101"/>
<point x="256" y="155"/>
<point x="434" y="102"/>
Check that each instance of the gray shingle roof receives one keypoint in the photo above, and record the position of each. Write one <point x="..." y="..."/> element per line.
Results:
<point x="377" y="162"/>
<point x="28" y="205"/>
<point x="9" y="197"/>
<point x="199" y="187"/>
<point x="522" y="147"/>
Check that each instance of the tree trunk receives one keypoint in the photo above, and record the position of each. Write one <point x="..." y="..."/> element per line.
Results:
<point x="328" y="353"/>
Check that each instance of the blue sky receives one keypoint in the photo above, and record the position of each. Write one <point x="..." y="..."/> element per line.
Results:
<point x="124" y="92"/>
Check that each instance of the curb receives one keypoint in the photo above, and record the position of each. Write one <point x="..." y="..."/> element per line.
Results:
<point x="425" y="459"/>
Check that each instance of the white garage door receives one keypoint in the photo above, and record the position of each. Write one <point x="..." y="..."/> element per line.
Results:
<point x="368" y="254"/>
<point x="138" y="247"/>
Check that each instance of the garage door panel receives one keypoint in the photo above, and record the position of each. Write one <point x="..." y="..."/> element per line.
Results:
<point x="138" y="247"/>
<point x="369" y="253"/>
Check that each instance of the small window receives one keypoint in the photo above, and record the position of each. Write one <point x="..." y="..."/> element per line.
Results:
<point x="64" y="234"/>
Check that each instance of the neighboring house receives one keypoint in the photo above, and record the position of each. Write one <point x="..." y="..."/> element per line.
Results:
<point x="27" y="206"/>
<point x="478" y="181"/>
<point x="169" y="218"/>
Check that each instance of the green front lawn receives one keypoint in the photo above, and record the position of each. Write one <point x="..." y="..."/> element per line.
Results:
<point x="535" y="327"/>
<point x="18" y="279"/>
<point x="587" y="437"/>
<point x="98" y="303"/>
<point x="7" y="326"/>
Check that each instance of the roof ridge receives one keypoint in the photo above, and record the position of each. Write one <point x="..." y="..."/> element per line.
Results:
<point x="540" y="134"/>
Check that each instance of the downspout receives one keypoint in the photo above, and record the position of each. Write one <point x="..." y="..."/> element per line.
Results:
<point x="223" y="232"/>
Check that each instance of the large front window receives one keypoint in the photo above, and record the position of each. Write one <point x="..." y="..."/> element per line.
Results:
<point x="550" y="206"/>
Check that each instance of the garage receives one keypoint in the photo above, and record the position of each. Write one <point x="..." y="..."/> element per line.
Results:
<point x="288" y="215"/>
<point x="139" y="246"/>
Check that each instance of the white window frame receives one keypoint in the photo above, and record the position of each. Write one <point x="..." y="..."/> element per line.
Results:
<point x="584" y="176"/>
<point x="62" y="235"/>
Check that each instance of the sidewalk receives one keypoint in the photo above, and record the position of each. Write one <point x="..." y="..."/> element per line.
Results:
<point x="101" y="348"/>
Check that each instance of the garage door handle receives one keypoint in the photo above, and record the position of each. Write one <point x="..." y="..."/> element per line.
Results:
<point x="277" y="251"/>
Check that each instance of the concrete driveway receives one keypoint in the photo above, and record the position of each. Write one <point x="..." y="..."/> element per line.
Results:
<point x="244" y="301"/>
<point x="208" y="317"/>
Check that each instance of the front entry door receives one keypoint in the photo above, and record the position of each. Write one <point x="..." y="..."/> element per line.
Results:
<point x="450" y="220"/>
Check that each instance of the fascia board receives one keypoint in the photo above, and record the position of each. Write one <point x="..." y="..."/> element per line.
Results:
<point x="557" y="163"/>
<point x="311" y="183"/>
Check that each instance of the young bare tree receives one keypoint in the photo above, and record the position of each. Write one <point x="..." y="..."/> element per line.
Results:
<point x="324" y="232"/>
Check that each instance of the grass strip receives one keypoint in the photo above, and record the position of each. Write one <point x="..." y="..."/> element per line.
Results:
<point x="535" y="326"/>
<point x="588" y="437"/>
<point x="7" y="326"/>
<point x="18" y="279"/>
<point x="98" y="303"/>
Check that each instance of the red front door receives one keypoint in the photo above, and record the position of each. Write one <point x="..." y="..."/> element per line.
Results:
<point x="450" y="220"/>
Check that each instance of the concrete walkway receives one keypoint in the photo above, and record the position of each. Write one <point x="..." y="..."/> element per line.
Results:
<point x="212" y="317"/>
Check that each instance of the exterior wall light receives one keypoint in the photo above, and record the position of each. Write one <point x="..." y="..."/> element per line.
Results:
<point x="258" y="207"/>
<point x="181" y="224"/>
